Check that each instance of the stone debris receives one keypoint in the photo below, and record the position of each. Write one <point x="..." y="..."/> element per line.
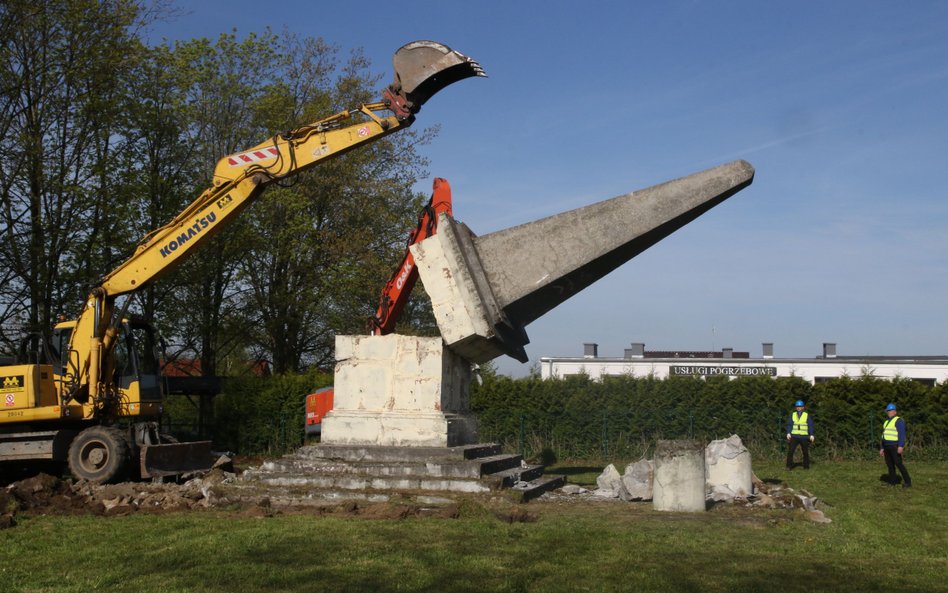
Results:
<point x="638" y="478"/>
<point x="818" y="517"/>
<point x="610" y="484"/>
<point x="729" y="479"/>
<point x="781" y="496"/>
<point x="48" y="494"/>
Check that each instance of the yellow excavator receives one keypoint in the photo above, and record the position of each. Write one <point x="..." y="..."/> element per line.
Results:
<point x="93" y="396"/>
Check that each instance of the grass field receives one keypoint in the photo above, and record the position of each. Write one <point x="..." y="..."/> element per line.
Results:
<point x="881" y="539"/>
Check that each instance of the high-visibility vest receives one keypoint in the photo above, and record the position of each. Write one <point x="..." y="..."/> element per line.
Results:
<point x="889" y="430"/>
<point x="800" y="425"/>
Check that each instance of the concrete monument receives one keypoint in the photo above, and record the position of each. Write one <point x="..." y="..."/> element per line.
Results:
<point x="408" y="391"/>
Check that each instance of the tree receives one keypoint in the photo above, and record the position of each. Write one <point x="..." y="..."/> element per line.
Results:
<point x="321" y="250"/>
<point x="59" y="105"/>
<point x="104" y="139"/>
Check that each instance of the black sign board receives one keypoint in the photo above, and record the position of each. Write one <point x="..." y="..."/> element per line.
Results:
<point x="729" y="371"/>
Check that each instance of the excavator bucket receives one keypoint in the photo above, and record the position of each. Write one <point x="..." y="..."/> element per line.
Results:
<point x="422" y="68"/>
<point x="175" y="458"/>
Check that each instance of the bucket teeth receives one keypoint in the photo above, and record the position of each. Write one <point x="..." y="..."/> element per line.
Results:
<point x="422" y="68"/>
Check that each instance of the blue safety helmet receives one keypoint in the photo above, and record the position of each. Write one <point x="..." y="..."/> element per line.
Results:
<point x="890" y="407"/>
<point x="799" y="404"/>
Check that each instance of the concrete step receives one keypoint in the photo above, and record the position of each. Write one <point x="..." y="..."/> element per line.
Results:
<point x="397" y="454"/>
<point x="471" y="468"/>
<point x="526" y="491"/>
<point x="373" y="469"/>
<point x="311" y="496"/>
<point x="361" y="482"/>
<point x="508" y="477"/>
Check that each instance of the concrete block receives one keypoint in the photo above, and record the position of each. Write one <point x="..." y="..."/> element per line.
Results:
<point x="638" y="479"/>
<point x="679" y="476"/>
<point x="399" y="391"/>
<point x="728" y="469"/>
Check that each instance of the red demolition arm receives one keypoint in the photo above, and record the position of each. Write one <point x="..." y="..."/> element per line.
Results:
<point x="399" y="286"/>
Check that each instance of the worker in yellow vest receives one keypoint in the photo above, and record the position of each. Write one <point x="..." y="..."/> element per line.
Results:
<point x="799" y="433"/>
<point x="893" y="444"/>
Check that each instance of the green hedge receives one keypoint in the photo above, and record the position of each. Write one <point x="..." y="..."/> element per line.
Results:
<point x="617" y="417"/>
<point x="623" y="416"/>
<point x="252" y="415"/>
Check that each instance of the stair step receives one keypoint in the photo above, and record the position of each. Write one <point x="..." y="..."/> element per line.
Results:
<point x="362" y="482"/>
<point x="508" y="477"/>
<point x="471" y="468"/>
<point x="369" y="453"/>
<point x="375" y="469"/>
<point x="526" y="491"/>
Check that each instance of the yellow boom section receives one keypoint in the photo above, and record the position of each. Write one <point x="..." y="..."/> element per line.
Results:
<point x="238" y="179"/>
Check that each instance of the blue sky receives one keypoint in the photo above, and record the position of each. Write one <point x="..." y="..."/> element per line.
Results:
<point x="842" y="107"/>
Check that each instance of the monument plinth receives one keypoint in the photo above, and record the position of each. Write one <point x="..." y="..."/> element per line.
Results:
<point x="395" y="390"/>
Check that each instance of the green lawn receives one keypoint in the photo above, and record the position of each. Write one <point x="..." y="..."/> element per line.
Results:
<point x="881" y="538"/>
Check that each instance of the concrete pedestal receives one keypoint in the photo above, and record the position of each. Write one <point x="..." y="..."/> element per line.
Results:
<point x="404" y="391"/>
<point x="679" y="476"/>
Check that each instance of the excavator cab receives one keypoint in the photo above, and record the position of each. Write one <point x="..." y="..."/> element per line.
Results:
<point x="422" y="68"/>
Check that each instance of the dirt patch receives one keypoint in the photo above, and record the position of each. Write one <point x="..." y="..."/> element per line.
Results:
<point x="48" y="495"/>
<point x="217" y="489"/>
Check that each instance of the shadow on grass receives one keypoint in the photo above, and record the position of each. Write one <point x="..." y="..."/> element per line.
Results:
<point x="575" y="470"/>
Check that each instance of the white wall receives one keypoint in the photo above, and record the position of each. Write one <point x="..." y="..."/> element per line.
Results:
<point x="805" y="369"/>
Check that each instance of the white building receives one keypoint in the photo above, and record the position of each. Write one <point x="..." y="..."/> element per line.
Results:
<point x="638" y="362"/>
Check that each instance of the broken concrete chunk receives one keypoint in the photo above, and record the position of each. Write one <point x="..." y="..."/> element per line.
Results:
<point x="728" y="469"/>
<point x="818" y="517"/>
<point x="638" y="479"/>
<point x="610" y="484"/>
<point x="679" y="476"/>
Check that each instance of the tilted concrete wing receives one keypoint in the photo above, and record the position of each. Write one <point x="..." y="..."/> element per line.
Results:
<point x="486" y="290"/>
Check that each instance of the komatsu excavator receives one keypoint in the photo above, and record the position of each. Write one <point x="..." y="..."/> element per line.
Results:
<point x="94" y="396"/>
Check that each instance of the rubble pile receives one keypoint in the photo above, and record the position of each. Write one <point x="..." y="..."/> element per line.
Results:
<point x="51" y="495"/>
<point x="729" y="479"/>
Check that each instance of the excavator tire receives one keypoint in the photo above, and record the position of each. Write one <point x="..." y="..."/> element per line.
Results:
<point x="99" y="454"/>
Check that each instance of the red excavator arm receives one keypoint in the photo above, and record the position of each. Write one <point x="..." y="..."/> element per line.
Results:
<point x="399" y="286"/>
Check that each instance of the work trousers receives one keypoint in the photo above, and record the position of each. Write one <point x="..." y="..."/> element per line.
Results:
<point x="894" y="460"/>
<point x="804" y="443"/>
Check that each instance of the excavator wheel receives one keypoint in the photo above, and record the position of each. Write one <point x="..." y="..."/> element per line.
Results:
<point x="99" y="454"/>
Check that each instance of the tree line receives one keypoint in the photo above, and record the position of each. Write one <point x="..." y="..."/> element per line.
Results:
<point x="105" y="137"/>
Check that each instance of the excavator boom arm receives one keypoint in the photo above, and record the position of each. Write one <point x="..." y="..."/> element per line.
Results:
<point x="240" y="178"/>
<point x="422" y="68"/>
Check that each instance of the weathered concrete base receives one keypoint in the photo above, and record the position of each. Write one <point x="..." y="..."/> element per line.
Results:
<point x="679" y="476"/>
<point x="329" y="471"/>
<point x="398" y="429"/>
<point x="394" y="390"/>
